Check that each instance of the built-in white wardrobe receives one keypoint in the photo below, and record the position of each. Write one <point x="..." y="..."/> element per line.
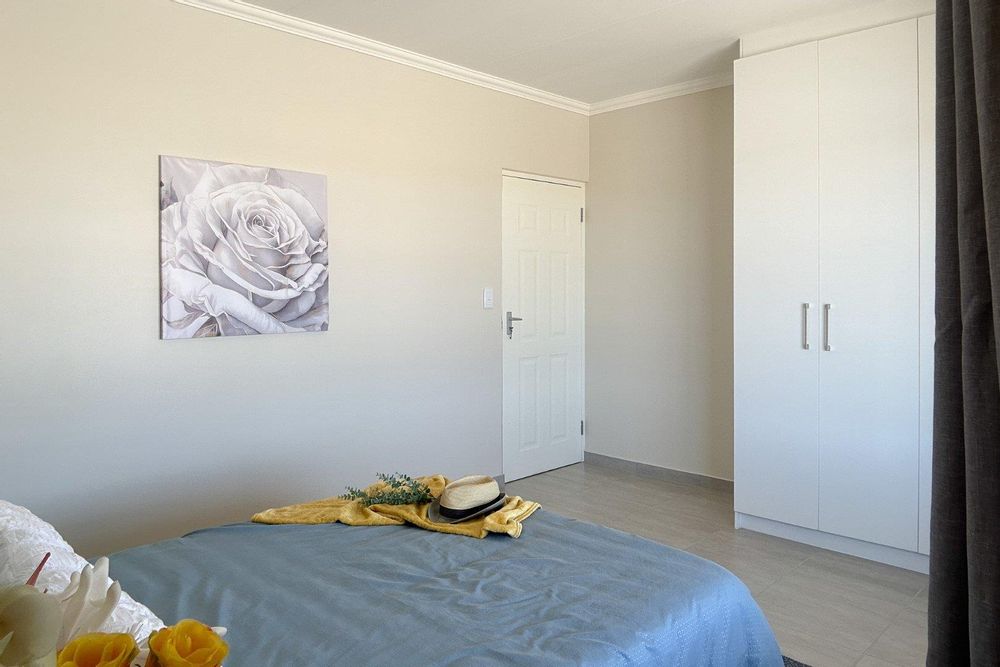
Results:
<point x="833" y="291"/>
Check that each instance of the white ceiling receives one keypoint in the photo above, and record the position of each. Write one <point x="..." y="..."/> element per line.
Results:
<point x="587" y="50"/>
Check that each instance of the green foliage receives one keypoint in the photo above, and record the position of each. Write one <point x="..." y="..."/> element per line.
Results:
<point x="399" y="489"/>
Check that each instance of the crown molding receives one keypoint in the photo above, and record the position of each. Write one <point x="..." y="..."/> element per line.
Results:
<point x="666" y="92"/>
<point x="244" y="11"/>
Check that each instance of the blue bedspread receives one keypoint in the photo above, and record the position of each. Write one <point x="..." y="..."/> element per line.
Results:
<point x="566" y="592"/>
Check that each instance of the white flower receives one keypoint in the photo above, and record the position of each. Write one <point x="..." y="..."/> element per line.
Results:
<point x="88" y="601"/>
<point x="242" y="252"/>
<point x="29" y="627"/>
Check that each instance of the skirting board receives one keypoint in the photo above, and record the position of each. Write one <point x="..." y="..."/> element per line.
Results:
<point x="889" y="555"/>
<point x="656" y="472"/>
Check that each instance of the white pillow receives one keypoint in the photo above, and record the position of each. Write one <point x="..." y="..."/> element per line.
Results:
<point x="24" y="540"/>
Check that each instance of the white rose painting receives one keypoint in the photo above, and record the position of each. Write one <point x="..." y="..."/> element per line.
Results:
<point x="243" y="250"/>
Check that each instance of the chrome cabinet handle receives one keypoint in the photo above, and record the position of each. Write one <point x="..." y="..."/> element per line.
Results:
<point x="510" y="323"/>
<point x="827" y="307"/>
<point x="805" y="325"/>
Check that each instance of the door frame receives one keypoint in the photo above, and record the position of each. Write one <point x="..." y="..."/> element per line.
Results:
<point x="582" y="185"/>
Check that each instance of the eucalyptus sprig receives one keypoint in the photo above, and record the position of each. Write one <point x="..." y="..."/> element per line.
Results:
<point x="399" y="489"/>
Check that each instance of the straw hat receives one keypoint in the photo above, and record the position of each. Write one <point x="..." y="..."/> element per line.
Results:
<point x="467" y="498"/>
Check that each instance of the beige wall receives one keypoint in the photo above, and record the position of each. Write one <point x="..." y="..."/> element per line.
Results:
<point x="120" y="438"/>
<point x="659" y="284"/>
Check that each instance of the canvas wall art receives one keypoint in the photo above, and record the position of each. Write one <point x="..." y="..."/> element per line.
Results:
<point x="243" y="250"/>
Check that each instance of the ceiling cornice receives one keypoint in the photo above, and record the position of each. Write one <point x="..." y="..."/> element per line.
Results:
<point x="666" y="92"/>
<point x="244" y="11"/>
<point x="265" y="17"/>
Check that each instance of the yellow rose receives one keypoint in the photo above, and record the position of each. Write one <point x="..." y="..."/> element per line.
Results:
<point x="99" y="649"/>
<point x="189" y="643"/>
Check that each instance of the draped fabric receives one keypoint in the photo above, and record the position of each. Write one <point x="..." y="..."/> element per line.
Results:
<point x="964" y="603"/>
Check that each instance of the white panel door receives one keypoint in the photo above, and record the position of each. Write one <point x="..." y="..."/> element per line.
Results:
<point x="869" y="285"/>
<point x="776" y="285"/>
<point x="543" y="355"/>
<point x="927" y="41"/>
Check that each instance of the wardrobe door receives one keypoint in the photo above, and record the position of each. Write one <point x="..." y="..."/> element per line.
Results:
<point x="869" y="285"/>
<point x="775" y="284"/>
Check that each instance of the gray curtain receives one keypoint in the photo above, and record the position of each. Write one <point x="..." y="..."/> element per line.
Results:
<point x="964" y="605"/>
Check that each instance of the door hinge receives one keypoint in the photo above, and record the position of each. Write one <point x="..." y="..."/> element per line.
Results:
<point x="581" y="215"/>
<point x="581" y="427"/>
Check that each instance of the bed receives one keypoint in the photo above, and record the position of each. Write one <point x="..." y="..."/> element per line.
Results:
<point x="566" y="592"/>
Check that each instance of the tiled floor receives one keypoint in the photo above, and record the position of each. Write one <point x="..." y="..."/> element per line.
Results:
<point x="825" y="608"/>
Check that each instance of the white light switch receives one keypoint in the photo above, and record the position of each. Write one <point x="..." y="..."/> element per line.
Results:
<point x="487" y="298"/>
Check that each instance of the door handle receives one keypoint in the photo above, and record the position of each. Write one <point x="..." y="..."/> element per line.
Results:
<point x="827" y="307"/>
<point x="510" y="323"/>
<point x="805" y="325"/>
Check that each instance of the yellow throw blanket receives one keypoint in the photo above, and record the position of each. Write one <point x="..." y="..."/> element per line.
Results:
<point x="353" y="513"/>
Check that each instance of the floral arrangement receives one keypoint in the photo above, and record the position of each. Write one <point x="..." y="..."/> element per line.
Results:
<point x="397" y="489"/>
<point x="38" y="629"/>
